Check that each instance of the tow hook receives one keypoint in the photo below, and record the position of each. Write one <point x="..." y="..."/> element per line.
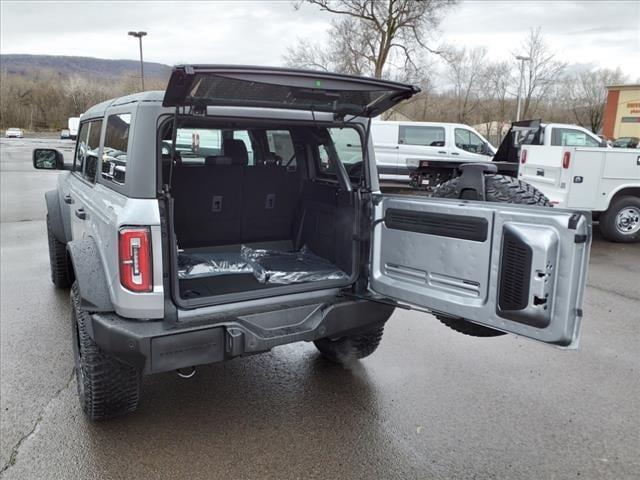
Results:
<point x="186" y="372"/>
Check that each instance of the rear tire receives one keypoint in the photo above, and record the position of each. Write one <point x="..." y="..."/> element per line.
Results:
<point x="500" y="189"/>
<point x="60" y="275"/>
<point x="350" y="348"/>
<point x="106" y="387"/>
<point x="621" y="222"/>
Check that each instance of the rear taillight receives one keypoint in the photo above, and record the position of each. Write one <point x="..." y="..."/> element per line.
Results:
<point x="566" y="159"/>
<point x="134" y="253"/>
<point x="523" y="156"/>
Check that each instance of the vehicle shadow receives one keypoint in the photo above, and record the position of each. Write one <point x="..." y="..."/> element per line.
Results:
<point x="287" y="413"/>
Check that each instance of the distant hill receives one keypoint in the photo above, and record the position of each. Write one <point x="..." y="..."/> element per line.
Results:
<point x="20" y="64"/>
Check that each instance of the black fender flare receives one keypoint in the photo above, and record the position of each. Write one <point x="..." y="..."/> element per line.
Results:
<point x="90" y="275"/>
<point x="55" y="215"/>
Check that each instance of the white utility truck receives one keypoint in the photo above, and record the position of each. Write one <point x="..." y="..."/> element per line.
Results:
<point x="603" y="180"/>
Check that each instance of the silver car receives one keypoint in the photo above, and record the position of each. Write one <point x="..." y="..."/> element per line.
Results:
<point x="240" y="209"/>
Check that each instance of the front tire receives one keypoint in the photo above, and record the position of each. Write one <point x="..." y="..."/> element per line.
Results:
<point x="500" y="189"/>
<point x="621" y="222"/>
<point x="60" y="274"/>
<point x="106" y="387"/>
<point x="350" y="348"/>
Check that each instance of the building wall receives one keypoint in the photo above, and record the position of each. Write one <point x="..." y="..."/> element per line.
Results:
<point x="610" y="112"/>
<point x="628" y="118"/>
<point x="622" y="113"/>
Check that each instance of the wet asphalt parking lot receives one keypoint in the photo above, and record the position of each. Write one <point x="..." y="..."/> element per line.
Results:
<point x="430" y="403"/>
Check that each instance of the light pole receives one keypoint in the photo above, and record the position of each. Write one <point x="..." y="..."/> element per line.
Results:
<point x="139" y="36"/>
<point x="522" y="60"/>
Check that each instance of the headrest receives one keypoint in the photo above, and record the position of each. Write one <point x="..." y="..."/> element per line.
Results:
<point x="237" y="150"/>
<point x="218" y="160"/>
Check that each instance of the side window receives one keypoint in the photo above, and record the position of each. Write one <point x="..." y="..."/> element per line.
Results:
<point x="193" y="145"/>
<point x="569" y="137"/>
<point x="114" y="153"/>
<point x="425" y="136"/>
<point x="348" y="146"/>
<point x="281" y="146"/>
<point x="246" y="138"/>
<point x="468" y="141"/>
<point x="81" y="147"/>
<point x="91" y="154"/>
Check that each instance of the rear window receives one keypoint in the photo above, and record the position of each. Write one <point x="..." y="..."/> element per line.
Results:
<point x="348" y="146"/>
<point x="568" y="137"/>
<point x="219" y="90"/>
<point x="116" y="144"/>
<point x="422" y="135"/>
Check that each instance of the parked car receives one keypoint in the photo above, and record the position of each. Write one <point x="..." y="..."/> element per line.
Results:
<point x="65" y="134"/>
<point x="607" y="182"/>
<point x="174" y="264"/>
<point x="402" y="147"/>
<point x="626" y="142"/>
<point x="14" y="133"/>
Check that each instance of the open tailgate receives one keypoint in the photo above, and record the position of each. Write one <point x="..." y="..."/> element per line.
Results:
<point x="271" y="87"/>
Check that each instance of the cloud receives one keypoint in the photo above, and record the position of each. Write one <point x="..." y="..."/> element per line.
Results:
<point x="605" y="33"/>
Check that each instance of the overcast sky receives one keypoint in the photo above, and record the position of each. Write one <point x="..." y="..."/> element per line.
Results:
<point x="601" y="33"/>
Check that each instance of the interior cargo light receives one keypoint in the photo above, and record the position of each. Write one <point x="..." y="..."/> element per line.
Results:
<point x="134" y="252"/>
<point x="566" y="159"/>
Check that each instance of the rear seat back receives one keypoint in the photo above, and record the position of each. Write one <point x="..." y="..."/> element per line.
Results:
<point x="208" y="198"/>
<point x="227" y="201"/>
<point x="270" y="199"/>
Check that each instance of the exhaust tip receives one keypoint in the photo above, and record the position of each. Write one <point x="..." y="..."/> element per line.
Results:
<point x="186" y="372"/>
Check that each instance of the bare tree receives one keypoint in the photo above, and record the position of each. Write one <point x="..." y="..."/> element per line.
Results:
<point x="380" y="38"/>
<point x="587" y="95"/>
<point x="466" y="69"/>
<point x="542" y="71"/>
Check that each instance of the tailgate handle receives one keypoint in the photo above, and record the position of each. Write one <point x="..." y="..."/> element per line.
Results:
<point x="81" y="214"/>
<point x="540" y="172"/>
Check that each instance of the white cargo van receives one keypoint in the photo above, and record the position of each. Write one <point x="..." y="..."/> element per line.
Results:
<point x="401" y="146"/>
<point x="603" y="180"/>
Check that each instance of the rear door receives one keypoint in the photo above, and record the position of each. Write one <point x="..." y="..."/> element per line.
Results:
<point x="385" y="143"/>
<point x="519" y="269"/>
<point x="269" y="87"/>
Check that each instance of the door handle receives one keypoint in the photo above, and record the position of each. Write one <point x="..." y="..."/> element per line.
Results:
<point x="81" y="214"/>
<point x="68" y="199"/>
<point x="455" y="153"/>
<point x="442" y="151"/>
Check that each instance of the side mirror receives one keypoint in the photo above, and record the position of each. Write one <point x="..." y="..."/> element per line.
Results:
<point x="47" y="159"/>
<point x="486" y="149"/>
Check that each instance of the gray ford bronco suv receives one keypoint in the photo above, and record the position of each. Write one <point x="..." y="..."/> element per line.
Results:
<point x="229" y="214"/>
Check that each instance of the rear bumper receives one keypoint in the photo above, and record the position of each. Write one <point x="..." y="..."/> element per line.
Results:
<point x="155" y="346"/>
